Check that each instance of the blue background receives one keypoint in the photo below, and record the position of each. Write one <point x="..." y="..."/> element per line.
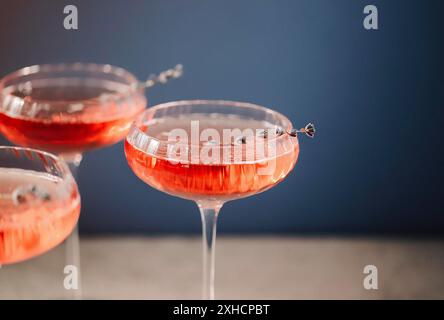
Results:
<point x="376" y="164"/>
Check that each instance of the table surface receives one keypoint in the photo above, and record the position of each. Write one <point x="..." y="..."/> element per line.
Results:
<point x="247" y="268"/>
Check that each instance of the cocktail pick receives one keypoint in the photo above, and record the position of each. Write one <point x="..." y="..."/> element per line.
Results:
<point x="24" y="194"/>
<point x="309" y="130"/>
<point x="162" y="77"/>
<point x="152" y="80"/>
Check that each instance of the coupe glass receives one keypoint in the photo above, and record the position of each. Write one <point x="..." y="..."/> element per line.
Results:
<point x="68" y="109"/>
<point x="39" y="204"/>
<point x="211" y="152"/>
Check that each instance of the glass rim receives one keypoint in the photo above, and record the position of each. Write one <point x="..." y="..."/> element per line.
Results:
<point x="69" y="66"/>
<point x="59" y="161"/>
<point x="288" y="126"/>
<point x="63" y="173"/>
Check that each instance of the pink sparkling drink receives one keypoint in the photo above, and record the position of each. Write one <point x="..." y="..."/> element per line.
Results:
<point x="38" y="207"/>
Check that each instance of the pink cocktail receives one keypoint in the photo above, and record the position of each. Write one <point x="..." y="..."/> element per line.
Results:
<point x="69" y="108"/>
<point x="39" y="203"/>
<point x="211" y="152"/>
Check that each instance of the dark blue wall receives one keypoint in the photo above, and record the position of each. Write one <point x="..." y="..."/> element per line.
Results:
<point x="376" y="97"/>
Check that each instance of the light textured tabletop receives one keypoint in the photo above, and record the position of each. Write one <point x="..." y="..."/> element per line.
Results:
<point x="247" y="268"/>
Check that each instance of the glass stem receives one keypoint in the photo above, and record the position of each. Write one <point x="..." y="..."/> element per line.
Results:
<point x="209" y="212"/>
<point x="73" y="161"/>
<point x="72" y="243"/>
